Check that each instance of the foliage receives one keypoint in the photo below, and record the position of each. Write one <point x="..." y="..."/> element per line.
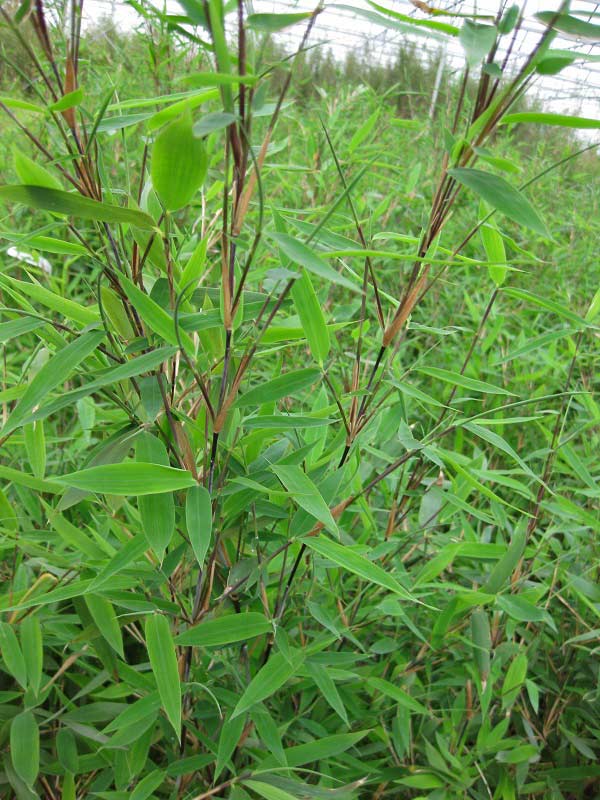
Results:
<point x="299" y="419"/>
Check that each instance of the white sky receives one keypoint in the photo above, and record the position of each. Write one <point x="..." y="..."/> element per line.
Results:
<point x="576" y="90"/>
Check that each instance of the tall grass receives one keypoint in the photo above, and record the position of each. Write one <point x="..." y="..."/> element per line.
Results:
<point x="299" y="417"/>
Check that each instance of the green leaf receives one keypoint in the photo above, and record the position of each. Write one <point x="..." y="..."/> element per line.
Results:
<point x="62" y="305"/>
<point x="456" y="379"/>
<point x="129" y="478"/>
<point x="283" y="386"/>
<point x="48" y="244"/>
<point x="505" y="567"/>
<point x="548" y="305"/>
<point x="228" y="741"/>
<point x="271" y="23"/>
<point x="135" y="713"/>
<point x="349" y="559"/>
<point x="572" y="26"/>
<point x="494" y="250"/>
<point x="305" y="493"/>
<point x="14" y="102"/>
<point x="320" y="749"/>
<point x="514" y="679"/>
<point x="300" y="254"/>
<point x="105" y="619"/>
<point x="69" y="100"/>
<point x="284" y="422"/>
<point x="148" y="784"/>
<point x="328" y="689"/>
<point x="154" y="316"/>
<point x="271" y="677"/>
<point x="562" y="120"/>
<point x="66" y="750"/>
<point x="35" y="446"/>
<point x="33" y="652"/>
<point x="156" y="510"/>
<point x="363" y="132"/>
<point x="12" y="655"/>
<point x="432" y="24"/>
<point x="213" y="122"/>
<point x="25" y="747"/>
<point x="73" y="205"/>
<point x="179" y="163"/>
<point x="53" y="373"/>
<point x="268" y="791"/>
<point x="482" y="641"/>
<point x="31" y="173"/>
<point x="499" y="194"/>
<point x="126" y="555"/>
<point x="198" y="519"/>
<point x="399" y="695"/>
<point x="522" y="610"/>
<point x="225" y="630"/>
<point x="477" y="41"/>
<point x="163" y="660"/>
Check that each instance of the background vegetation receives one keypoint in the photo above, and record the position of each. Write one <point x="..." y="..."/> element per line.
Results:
<point x="300" y="418"/>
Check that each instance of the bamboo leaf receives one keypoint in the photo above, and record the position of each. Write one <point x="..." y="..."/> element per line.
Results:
<point x="499" y="194"/>
<point x="179" y="163"/>
<point x="53" y="373"/>
<point x="12" y="655"/>
<point x="225" y="630"/>
<point x="561" y="120"/>
<point x="25" y="747"/>
<point x="271" y="23"/>
<point x="73" y="205"/>
<point x="198" y="518"/>
<point x="300" y="254"/>
<point x="105" y="618"/>
<point x="282" y="386"/>
<point x="33" y="651"/>
<point x="305" y="493"/>
<point x="349" y="559"/>
<point x="157" y="510"/>
<point x="456" y="379"/>
<point x="271" y="677"/>
<point x="163" y="660"/>
<point x="129" y="478"/>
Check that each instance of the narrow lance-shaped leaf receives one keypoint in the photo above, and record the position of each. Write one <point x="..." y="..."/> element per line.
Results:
<point x="25" y="747"/>
<point x="354" y="562"/>
<point x="163" y="660"/>
<point x="53" y="373"/>
<point x="544" y="118"/>
<point x="129" y="478"/>
<point x="499" y="194"/>
<point x="226" y="630"/>
<point x="12" y="655"/>
<point x="301" y="254"/>
<point x="477" y="41"/>
<point x="33" y="652"/>
<point x="198" y="519"/>
<point x="271" y="23"/>
<point x="157" y="510"/>
<point x="179" y="163"/>
<point x="271" y="677"/>
<point x="228" y="741"/>
<point x="73" y="205"/>
<point x="105" y="618"/>
<point x="305" y="493"/>
<point x="281" y="386"/>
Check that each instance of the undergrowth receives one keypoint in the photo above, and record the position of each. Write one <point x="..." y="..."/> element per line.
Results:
<point x="299" y="413"/>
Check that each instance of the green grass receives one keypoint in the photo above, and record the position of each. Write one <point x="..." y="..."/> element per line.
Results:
<point x="299" y="475"/>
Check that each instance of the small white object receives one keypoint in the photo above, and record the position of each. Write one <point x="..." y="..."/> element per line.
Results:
<point x="35" y="261"/>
